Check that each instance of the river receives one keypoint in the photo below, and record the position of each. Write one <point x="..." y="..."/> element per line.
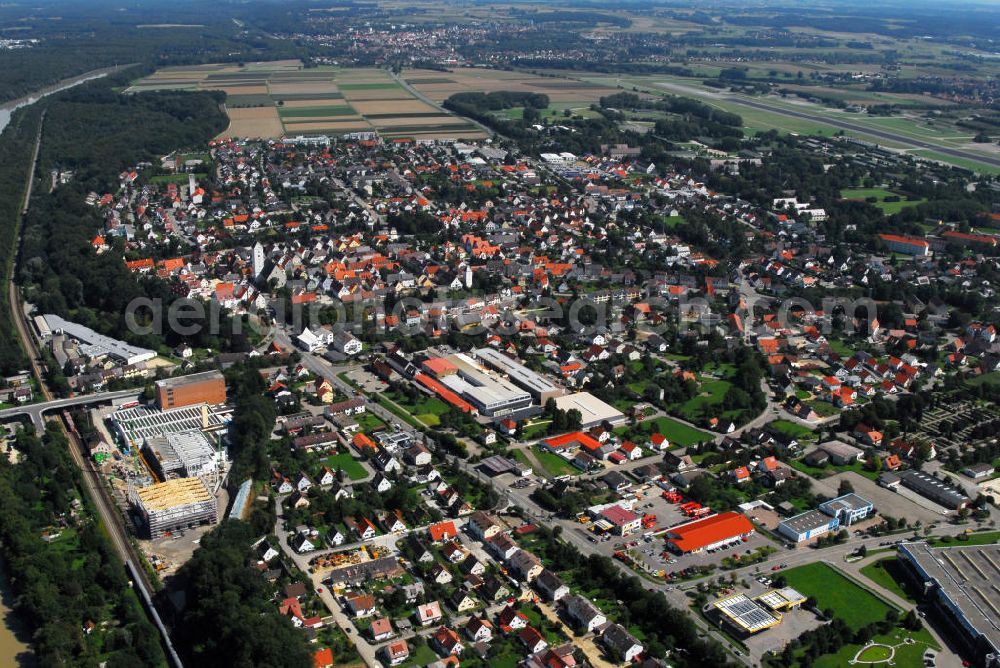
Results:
<point x="14" y="650"/>
<point x="8" y="108"/>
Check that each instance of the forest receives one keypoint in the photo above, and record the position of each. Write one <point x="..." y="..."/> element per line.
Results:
<point x="97" y="133"/>
<point x="88" y="36"/>
<point x="16" y="146"/>
<point x="64" y="571"/>
<point x="231" y="617"/>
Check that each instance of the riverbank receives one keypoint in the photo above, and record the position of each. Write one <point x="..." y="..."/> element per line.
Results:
<point x="8" y="108"/>
<point x="14" y="636"/>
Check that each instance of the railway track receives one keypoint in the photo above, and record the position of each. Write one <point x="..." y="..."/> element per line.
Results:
<point x="106" y="507"/>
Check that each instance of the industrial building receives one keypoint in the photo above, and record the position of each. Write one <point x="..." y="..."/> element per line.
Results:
<point x="461" y="380"/>
<point x="182" y="455"/>
<point x="175" y="504"/>
<point x="593" y="411"/>
<point x="831" y="515"/>
<point x="808" y="525"/>
<point x="849" y="508"/>
<point x="933" y="489"/>
<point x="137" y="423"/>
<point x="709" y="532"/>
<point x="540" y="387"/>
<point x="208" y="387"/>
<point x="959" y="583"/>
<point x="94" y="345"/>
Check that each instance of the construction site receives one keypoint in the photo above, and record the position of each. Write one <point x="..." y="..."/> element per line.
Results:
<point x="173" y="505"/>
<point x="167" y="473"/>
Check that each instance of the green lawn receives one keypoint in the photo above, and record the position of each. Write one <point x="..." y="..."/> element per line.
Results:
<point x="369" y="422"/>
<point x="426" y="409"/>
<point x="352" y="467"/>
<point x="554" y="111"/>
<point x="399" y="412"/>
<point x="679" y="433"/>
<point x="888" y="574"/>
<point x="841" y="348"/>
<point x="421" y="656"/>
<point x="888" y="208"/>
<point x="793" y="429"/>
<point x="850" y="602"/>
<point x="823" y="408"/>
<point x="990" y="378"/>
<point x="554" y="464"/>
<point x="535" y="430"/>
<point x="905" y="654"/>
<point x="674" y="221"/>
<point x="710" y="393"/>
<point x="175" y="178"/>
<point x="825" y="471"/>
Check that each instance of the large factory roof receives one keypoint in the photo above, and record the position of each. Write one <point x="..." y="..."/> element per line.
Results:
<point x="94" y="344"/>
<point x="518" y="373"/>
<point x="593" y="411"/>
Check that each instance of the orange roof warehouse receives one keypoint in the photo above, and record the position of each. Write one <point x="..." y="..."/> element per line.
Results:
<point x="709" y="532"/>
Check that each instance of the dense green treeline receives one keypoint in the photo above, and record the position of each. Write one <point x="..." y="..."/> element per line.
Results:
<point x="63" y="569"/>
<point x="16" y="146"/>
<point x="80" y="37"/>
<point x="231" y="618"/>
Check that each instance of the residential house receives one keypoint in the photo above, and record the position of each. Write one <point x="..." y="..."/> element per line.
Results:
<point x="620" y="643"/>
<point x="582" y="612"/>
<point x="550" y="585"/>
<point x="446" y="642"/>
<point x="429" y="613"/>
<point x="525" y="565"/>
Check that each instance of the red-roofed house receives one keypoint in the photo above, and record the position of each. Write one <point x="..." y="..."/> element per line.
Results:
<point x="442" y="531"/>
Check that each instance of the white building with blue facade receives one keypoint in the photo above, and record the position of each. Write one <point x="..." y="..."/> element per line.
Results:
<point x="831" y="515"/>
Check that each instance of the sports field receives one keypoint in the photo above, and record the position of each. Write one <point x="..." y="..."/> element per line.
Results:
<point x="282" y="98"/>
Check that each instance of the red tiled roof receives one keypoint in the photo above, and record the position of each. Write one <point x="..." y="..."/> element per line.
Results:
<point x="713" y="529"/>
<point x="442" y="531"/>
<point x="577" y="437"/>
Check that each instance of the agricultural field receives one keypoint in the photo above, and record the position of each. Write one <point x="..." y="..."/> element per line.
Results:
<point x="439" y="86"/>
<point x="282" y="98"/>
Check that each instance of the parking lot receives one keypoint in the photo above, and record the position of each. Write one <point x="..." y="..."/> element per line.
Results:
<point x="887" y="502"/>
<point x="650" y="553"/>
<point x="367" y="381"/>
